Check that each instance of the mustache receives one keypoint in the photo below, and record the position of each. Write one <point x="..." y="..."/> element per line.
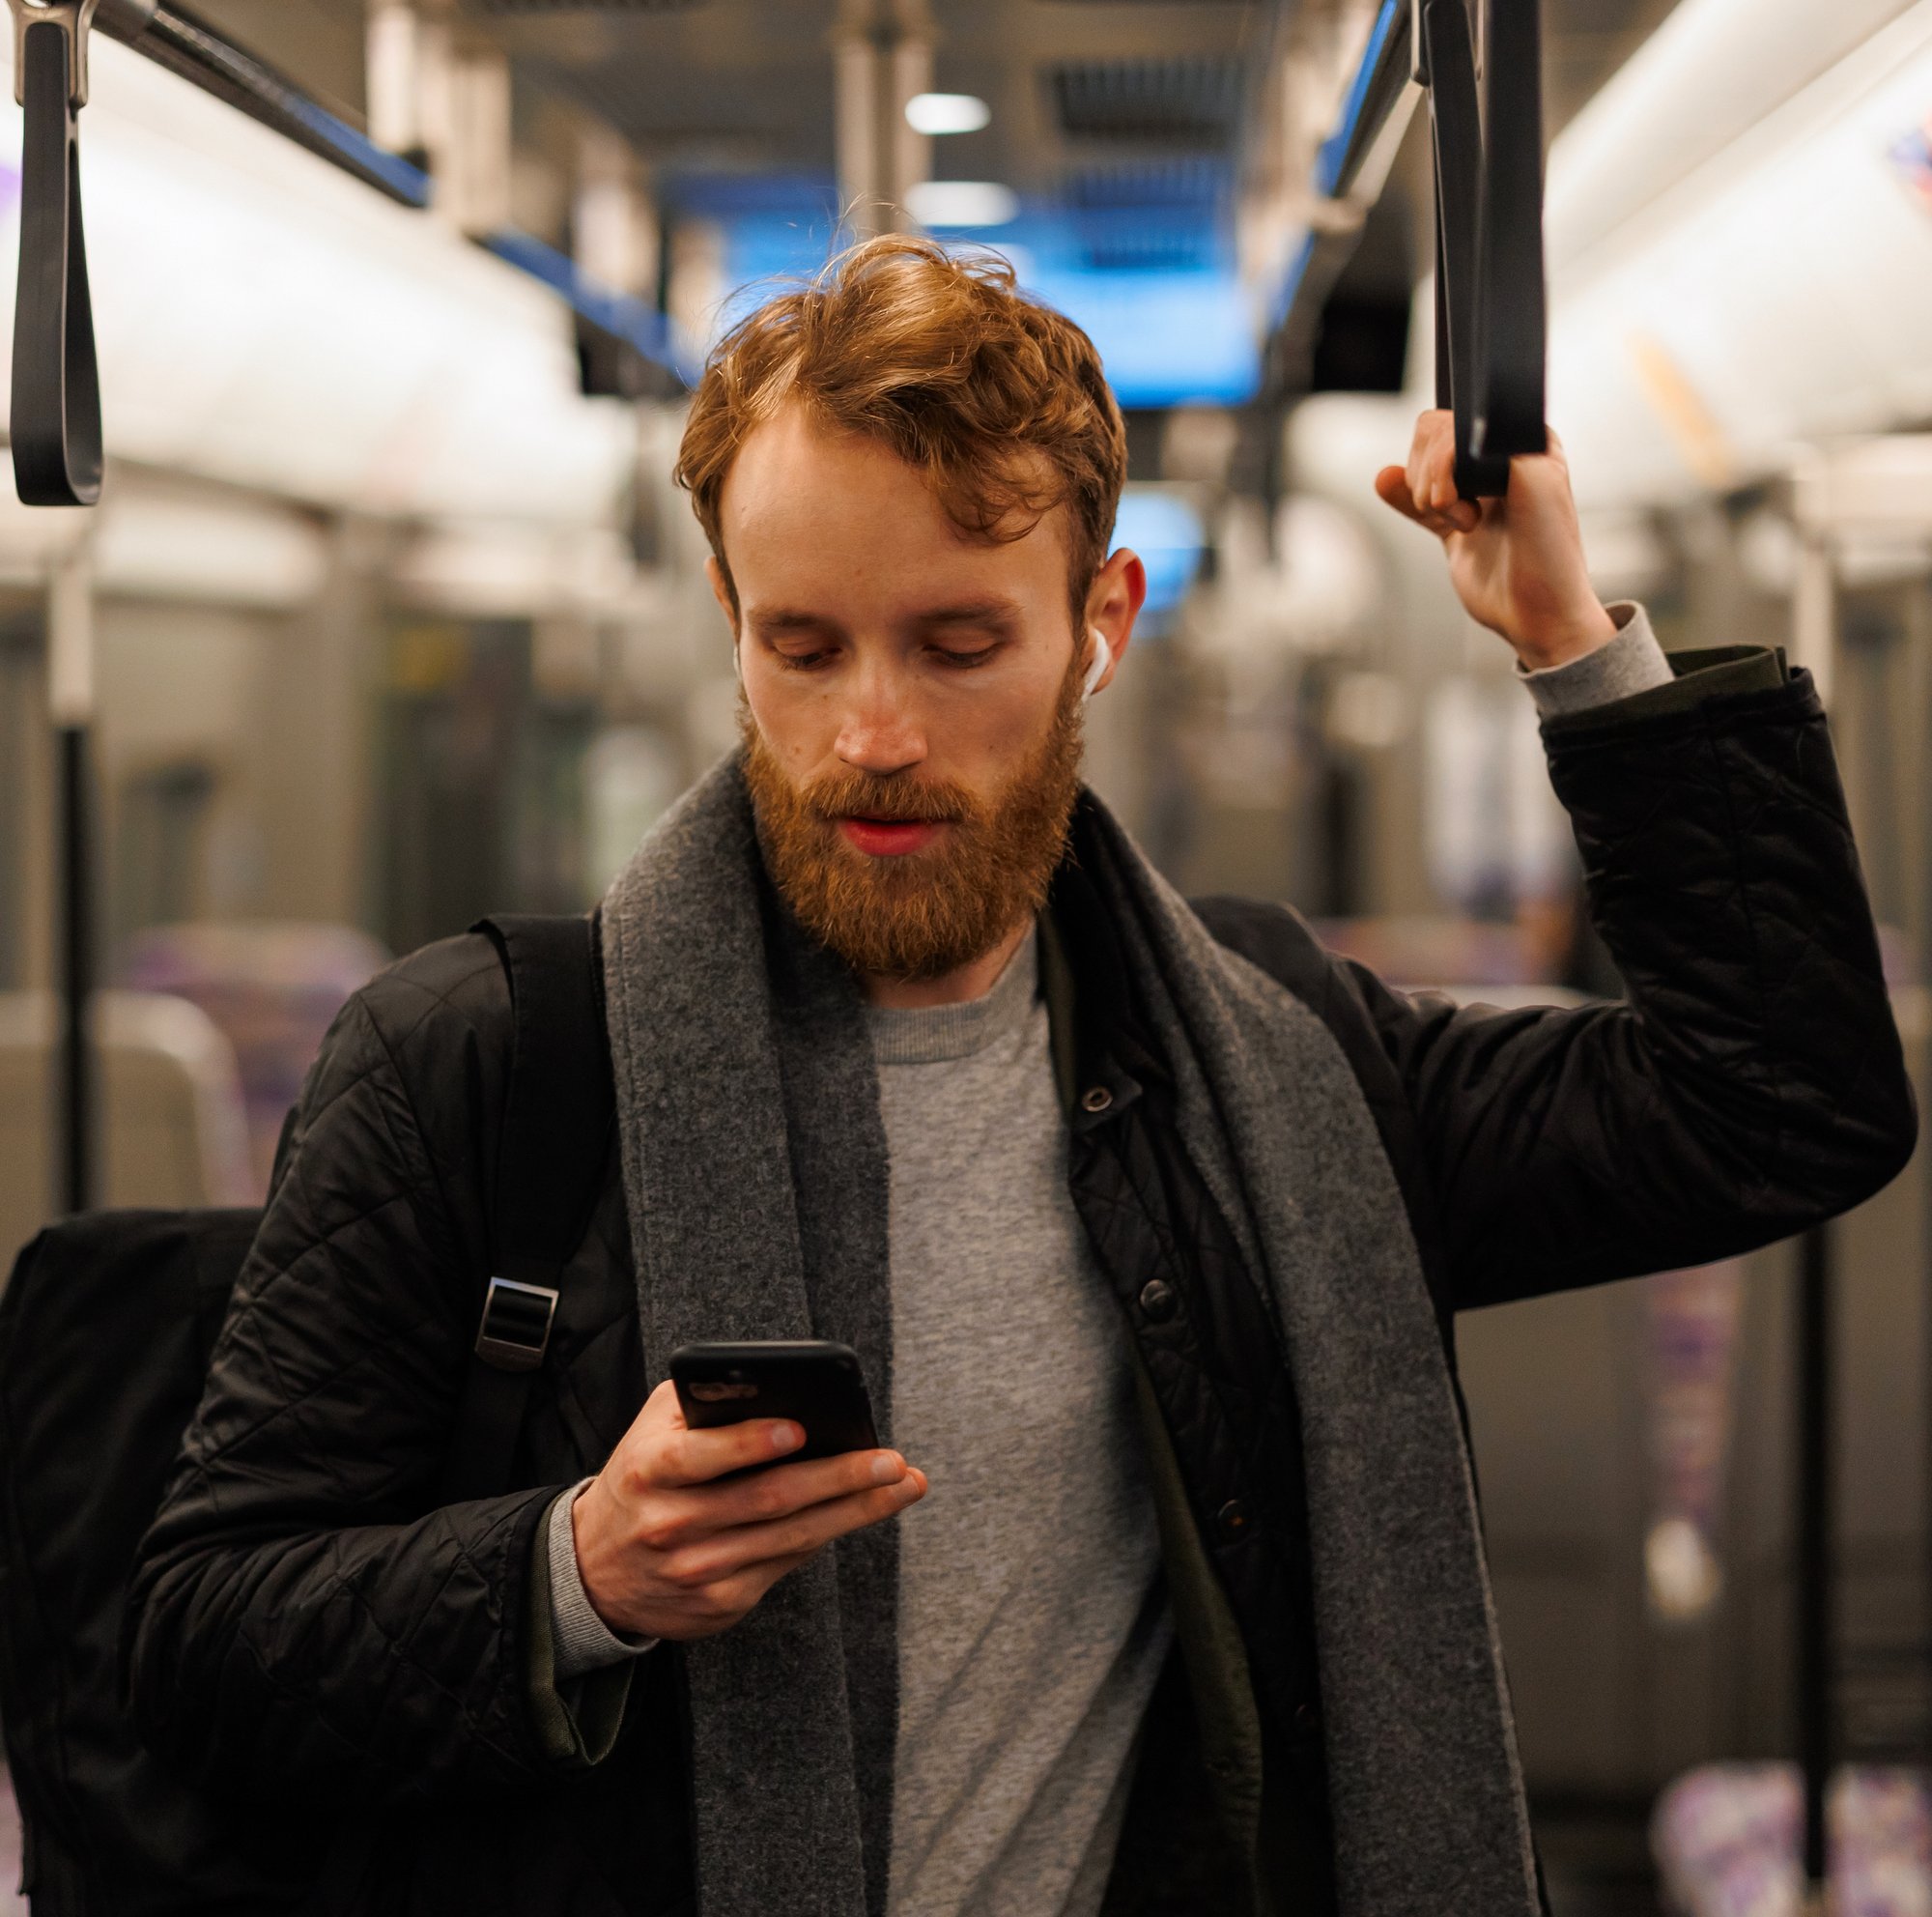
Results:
<point x="895" y="798"/>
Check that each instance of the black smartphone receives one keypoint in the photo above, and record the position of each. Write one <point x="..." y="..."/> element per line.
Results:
<point x="816" y="1382"/>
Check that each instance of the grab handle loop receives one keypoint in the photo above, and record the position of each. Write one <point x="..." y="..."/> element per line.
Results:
<point x="1491" y="311"/>
<point x="1513" y="344"/>
<point x="55" y="424"/>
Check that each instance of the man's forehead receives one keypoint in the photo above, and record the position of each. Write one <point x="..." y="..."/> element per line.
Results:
<point x="815" y="499"/>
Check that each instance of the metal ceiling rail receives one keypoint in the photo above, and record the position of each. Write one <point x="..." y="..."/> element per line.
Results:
<point x="1378" y="97"/>
<point x="1487" y="134"/>
<point x="55" y="423"/>
<point x="625" y="345"/>
<point x="174" y="38"/>
<point x="628" y="349"/>
<point x="1350" y="168"/>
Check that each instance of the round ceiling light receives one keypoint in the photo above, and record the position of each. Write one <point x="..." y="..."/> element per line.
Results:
<point x="946" y="113"/>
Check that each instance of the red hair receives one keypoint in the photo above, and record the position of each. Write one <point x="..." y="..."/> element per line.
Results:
<point x="999" y="401"/>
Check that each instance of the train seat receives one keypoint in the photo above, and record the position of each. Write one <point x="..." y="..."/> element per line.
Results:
<point x="173" y="1126"/>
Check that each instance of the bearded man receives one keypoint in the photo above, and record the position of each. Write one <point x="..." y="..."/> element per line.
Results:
<point x="1149" y="1221"/>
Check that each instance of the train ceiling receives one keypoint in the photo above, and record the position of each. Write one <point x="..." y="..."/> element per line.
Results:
<point x="1122" y="135"/>
<point x="1075" y="86"/>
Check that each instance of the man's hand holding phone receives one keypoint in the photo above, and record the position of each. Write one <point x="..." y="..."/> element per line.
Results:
<point x="666" y="1549"/>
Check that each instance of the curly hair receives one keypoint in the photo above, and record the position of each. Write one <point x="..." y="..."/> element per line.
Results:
<point x="999" y="401"/>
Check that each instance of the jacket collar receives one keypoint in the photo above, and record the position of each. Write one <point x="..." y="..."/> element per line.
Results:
<point x="1101" y="1044"/>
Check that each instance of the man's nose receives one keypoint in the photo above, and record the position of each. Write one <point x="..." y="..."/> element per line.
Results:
<point x="881" y="730"/>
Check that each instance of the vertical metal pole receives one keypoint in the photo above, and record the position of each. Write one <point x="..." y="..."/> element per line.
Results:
<point x="882" y="56"/>
<point x="1918" y="652"/>
<point x="392" y="86"/>
<point x="75" y="1079"/>
<point x="857" y="81"/>
<point x="1814" y="612"/>
<point x="1814" y="643"/>
<point x="70" y="699"/>
<point x="1815" y="1636"/>
<point x="908" y="72"/>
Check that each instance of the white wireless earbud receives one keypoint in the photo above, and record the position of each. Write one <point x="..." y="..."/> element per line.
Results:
<point x="1102" y="658"/>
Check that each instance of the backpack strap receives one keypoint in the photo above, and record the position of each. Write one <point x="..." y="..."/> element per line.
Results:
<point x="558" y="1117"/>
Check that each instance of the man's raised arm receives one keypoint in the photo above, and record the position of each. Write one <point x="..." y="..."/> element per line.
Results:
<point x="1753" y="1083"/>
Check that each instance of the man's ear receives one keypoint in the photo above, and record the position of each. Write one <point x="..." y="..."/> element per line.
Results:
<point x="1113" y="603"/>
<point x="720" y="590"/>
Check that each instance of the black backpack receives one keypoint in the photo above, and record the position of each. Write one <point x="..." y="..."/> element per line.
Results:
<point x="105" y="1333"/>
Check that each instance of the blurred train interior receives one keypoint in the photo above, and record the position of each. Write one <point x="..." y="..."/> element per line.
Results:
<point x="390" y="616"/>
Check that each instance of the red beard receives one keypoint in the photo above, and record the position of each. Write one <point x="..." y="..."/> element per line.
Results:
<point x="917" y="915"/>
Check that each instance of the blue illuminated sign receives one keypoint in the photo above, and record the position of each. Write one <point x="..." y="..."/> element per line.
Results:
<point x="1180" y="328"/>
<point x="1166" y="532"/>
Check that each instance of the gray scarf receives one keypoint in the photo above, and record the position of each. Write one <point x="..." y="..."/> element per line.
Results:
<point x="755" y="1172"/>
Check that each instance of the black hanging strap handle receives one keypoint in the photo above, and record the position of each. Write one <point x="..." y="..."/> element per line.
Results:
<point x="56" y="407"/>
<point x="1492" y="327"/>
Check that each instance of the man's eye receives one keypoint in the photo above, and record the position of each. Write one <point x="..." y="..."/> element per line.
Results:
<point x="803" y="662"/>
<point x="966" y="660"/>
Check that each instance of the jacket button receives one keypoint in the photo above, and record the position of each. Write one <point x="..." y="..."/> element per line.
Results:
<point x="1096" y="1098"/>
<point x="1232" y="1517"/>
<point x="1157" y="1298"/>
<point x="1306" y="1717"/>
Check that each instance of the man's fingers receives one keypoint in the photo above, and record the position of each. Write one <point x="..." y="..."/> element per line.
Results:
<point x="681" y="1456"/>
<point x="1392" y="486"/>
<point x="781" y="1491"/>
<point x="661" y="1409"/>
<point x="1437" y="493"/>
<point x="727" y="1553"/>
<point x="1431" y="461"/>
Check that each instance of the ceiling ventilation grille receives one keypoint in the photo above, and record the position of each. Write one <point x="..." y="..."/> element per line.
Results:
<point x="1193" y="182"/>
<point x="1187" y="101"/>
<point x="1157" y="216"/>
<point x="1122" y="245"/>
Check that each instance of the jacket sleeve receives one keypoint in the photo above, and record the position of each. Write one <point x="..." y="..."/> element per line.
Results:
<point x="301" y="1616"/>
<point x="1753" y="1083"/>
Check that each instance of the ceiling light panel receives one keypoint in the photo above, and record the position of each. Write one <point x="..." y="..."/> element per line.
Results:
<point x="958" y="203"/>
<point x="946" y="113"/>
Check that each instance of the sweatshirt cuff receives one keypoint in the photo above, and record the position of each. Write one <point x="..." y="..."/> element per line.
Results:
<point x="1631" y="663"/>
<point x="579" y="1639"/>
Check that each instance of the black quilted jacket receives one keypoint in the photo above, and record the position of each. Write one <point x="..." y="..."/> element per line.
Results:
<point x="309" y="1633"/>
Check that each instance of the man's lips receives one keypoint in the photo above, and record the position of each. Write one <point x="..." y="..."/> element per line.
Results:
<point x="887" y="837"/>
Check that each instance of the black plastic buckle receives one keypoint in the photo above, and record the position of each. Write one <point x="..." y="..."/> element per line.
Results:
<point x="515" y="1332"/>
<point x="56" y="415"/>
